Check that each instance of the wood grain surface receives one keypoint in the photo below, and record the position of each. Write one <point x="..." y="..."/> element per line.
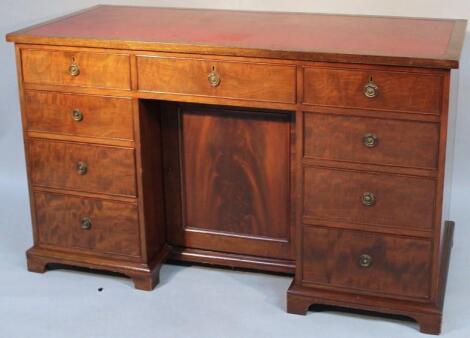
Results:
<point x="249" y="81"/>
<point x="110" y="170"/>
<point x="236" y="172"/>
<point x="398" y="142"/>
<point x="397" y="90"/>
<point x="102" y="70"/>
<point x="114" y="229"/>
<point x="400" y="201"/>
<point x="400" y="266"/>
<point x="103" y="117"/>
<point x="228" y="182"/>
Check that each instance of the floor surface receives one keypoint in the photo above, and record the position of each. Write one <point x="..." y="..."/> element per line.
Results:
<point x="190" y="302"/>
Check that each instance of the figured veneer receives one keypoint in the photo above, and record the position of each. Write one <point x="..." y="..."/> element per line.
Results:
<point x="397" y="90"/>
<point x="333" y="257"/>
<point x="248" y="81"/>
<point x="102" y="70"/>
<point x="397" y="143"/>
<point x="233" y="189"/>
<point x="399" y="201"/>
<point x="82" y="167"/>
<point x="98" y="116"/>
<point x="247" y="190"/>
<point x="113" y="226"/>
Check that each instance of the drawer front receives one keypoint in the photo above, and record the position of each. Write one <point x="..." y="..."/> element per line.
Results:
<point x="100" y="226"/>
<point x="90" y="168"/>
<point x="237" y="80"/>
<point x="73" y="68"/>
<point x="79" y="115"/>
<point x="395" y="90"/>
<point x="369" y="262"/>
<point x="367" y="198"/>
<point x="369" y="140"/>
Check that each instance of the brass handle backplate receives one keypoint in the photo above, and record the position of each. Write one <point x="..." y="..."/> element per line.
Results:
<point x="371" y="89"/>
<point x="85" y="223"/>
<point x="77" y="115"/>
<point x="370" y="140"/>
<point x="74" y="69"/>
<point x="213" y="77"/>
<point x="82" y="167"/>
<point x="368" y="199"/>
<point x="365" y="261"/>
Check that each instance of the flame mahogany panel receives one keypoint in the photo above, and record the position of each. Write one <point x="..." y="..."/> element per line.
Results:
<point x="235" y="181"/>
<point x="236" y="172"/>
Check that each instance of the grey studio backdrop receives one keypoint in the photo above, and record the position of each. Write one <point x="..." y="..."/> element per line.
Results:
<point x="199" y="302"/>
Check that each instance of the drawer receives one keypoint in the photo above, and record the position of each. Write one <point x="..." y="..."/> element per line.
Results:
<point x="96" y="225"/>
<point x="79" y="115"/>
<point x="74" y="68"/>
<point x="369" y="198"/>
<point x="98" y="169"/>
<point x="223" y="79"/>
<point x="370" y="140"/>
<point x="387" y="90"/>
<point x="382" y="264"/>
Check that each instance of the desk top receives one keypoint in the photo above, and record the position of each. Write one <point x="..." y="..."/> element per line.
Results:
<point x="401" y="41"/>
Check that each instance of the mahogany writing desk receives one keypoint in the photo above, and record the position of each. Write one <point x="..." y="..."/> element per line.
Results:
<point x="299" y="143"/>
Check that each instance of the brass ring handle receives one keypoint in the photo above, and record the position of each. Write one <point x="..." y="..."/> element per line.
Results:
<point x="368" y="199"/>
<point x="74" y="69"/>
<point x="82" y="167"/>
<point x="77" y="115"/>
<point x="371" y="90"/>
<point x="213" y="77"/>
<point x="365" y="261"/>
<point x="85" y="223"/>
<point x="370" y="140"/>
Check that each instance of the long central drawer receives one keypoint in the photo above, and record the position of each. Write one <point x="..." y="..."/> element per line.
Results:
<point x="215" y="78"/>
